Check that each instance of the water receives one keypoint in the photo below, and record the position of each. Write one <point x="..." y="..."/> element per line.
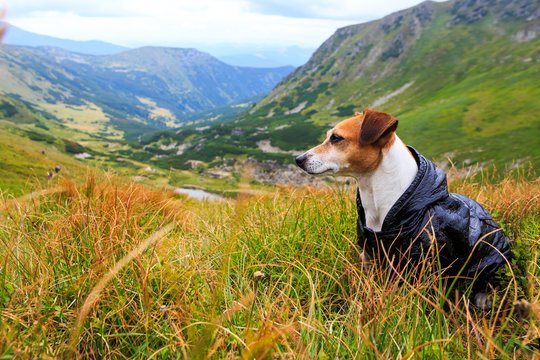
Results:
<point x="199" y="194"/>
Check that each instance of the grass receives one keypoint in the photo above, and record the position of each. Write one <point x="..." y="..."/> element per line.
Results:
<point x="109" y="269"/>
<point x="24" y="168"/>
<point x="88" y="118"/>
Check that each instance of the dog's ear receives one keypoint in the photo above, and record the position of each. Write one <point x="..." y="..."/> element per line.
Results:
<point x="377" y="127"/>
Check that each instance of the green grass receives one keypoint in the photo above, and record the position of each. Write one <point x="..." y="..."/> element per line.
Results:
<point x="26" y="132"/>
<point x="23" y="168"/>
<point x="195" y="292"/>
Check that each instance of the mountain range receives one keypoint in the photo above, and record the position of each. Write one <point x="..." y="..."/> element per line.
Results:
<point x="151" y="86"/>
<point x="259" y="56"/>
<point x="461" y="76"/>
<point x="17" y="36"/>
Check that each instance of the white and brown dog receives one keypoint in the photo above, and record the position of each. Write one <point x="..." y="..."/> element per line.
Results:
<point x="372" y="153"/>
<point x="399" y="192"/>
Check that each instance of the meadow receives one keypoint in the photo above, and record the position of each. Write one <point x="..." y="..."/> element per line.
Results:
<point x="105" y="268"/>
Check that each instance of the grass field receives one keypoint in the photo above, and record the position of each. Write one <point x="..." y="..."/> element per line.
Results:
<point x="109" y="269"/>
<point x="87" y="118"/>
<point x="23" y="167"/>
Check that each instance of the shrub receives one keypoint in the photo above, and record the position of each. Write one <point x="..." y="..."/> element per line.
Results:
<point x="37" y="136"/>
<point x="7" y="109"/>
<point x="73" y="147"/>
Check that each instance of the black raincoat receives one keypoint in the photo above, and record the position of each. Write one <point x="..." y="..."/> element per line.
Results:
<point x="470" y="243"/>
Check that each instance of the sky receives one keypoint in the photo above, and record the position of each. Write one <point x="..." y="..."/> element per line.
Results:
<point x="132" y="23"/>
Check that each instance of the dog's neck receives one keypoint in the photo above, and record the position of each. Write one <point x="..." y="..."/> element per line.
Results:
<point x="380" y="189"/>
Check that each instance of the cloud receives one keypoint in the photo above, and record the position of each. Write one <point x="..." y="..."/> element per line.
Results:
<point x="86" y="8"/>
<point x="205" y="21"/>
<point x="191" y="23"/>
<point x="335" y="9"/>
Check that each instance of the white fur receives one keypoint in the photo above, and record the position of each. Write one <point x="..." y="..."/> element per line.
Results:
<point x="380" y="189"/>
<point x="319" y="164"/>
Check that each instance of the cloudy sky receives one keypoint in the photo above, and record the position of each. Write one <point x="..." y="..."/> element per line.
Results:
<point x="305" y="23"/>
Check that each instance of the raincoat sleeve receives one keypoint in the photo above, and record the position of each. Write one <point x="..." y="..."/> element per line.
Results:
<point x="472" y="238"/>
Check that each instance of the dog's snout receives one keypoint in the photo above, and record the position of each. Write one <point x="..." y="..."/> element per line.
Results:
<point x="300" y="160"/>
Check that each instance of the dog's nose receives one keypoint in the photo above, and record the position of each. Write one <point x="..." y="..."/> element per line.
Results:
<point x="300" y="160"/>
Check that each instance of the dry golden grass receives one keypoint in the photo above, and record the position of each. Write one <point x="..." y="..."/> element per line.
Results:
<point x="108" y="269"/>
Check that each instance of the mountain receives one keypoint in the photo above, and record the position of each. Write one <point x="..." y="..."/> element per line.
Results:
<point x="18" y="36"/>
<point x="251" y="60"/>
<point x="149" y="86"/>
<point x="259" y="56"/>
<point x="461" y="76"/>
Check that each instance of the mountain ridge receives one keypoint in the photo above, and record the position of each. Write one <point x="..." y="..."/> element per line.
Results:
<point x="242" y="55"/>
<point x="455" y="59"/>
<point x="152" y="85"/>
<point x="17" y="36"/>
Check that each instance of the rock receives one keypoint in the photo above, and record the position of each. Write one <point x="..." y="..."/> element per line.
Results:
<point x="83" y="156"/>
<point x="528" y="33"/>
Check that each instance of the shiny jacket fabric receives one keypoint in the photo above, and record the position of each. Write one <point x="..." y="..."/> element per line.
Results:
<point x="462" y="228"/>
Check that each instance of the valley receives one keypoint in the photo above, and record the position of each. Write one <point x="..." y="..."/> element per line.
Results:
<point x="135" y="91"/>
<point x="463" y="87"/>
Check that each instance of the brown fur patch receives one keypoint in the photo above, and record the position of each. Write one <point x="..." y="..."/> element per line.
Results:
<point x="376" y="126"/>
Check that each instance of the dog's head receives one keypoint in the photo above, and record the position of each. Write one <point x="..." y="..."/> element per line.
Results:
<point x="354" y="146"/>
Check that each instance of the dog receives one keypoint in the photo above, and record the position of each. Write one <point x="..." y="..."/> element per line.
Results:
<point x="404" y="206"/>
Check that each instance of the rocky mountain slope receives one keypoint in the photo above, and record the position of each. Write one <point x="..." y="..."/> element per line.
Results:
<point x="151" y="86"/>
<point x="461" y="76"/>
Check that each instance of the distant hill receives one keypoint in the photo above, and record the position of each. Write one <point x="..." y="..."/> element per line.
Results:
<point x="461" y="76"/>
<point x="150" y="86"/>
<point x="18" y="36"/>
<point x="259" y="56"/>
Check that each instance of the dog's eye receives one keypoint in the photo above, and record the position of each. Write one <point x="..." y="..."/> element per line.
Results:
<point x="335" y="138"/>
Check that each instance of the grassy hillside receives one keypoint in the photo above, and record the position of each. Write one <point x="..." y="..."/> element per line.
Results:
<point x="25" y="133"/>
<point x="112" y="269"/>
<point x="461" y="76"/>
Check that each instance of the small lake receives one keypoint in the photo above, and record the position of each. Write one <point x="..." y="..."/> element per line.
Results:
<point x="199" y="194"/>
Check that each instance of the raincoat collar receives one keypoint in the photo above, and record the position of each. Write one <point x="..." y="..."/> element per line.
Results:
<point x="429" y="186"/>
